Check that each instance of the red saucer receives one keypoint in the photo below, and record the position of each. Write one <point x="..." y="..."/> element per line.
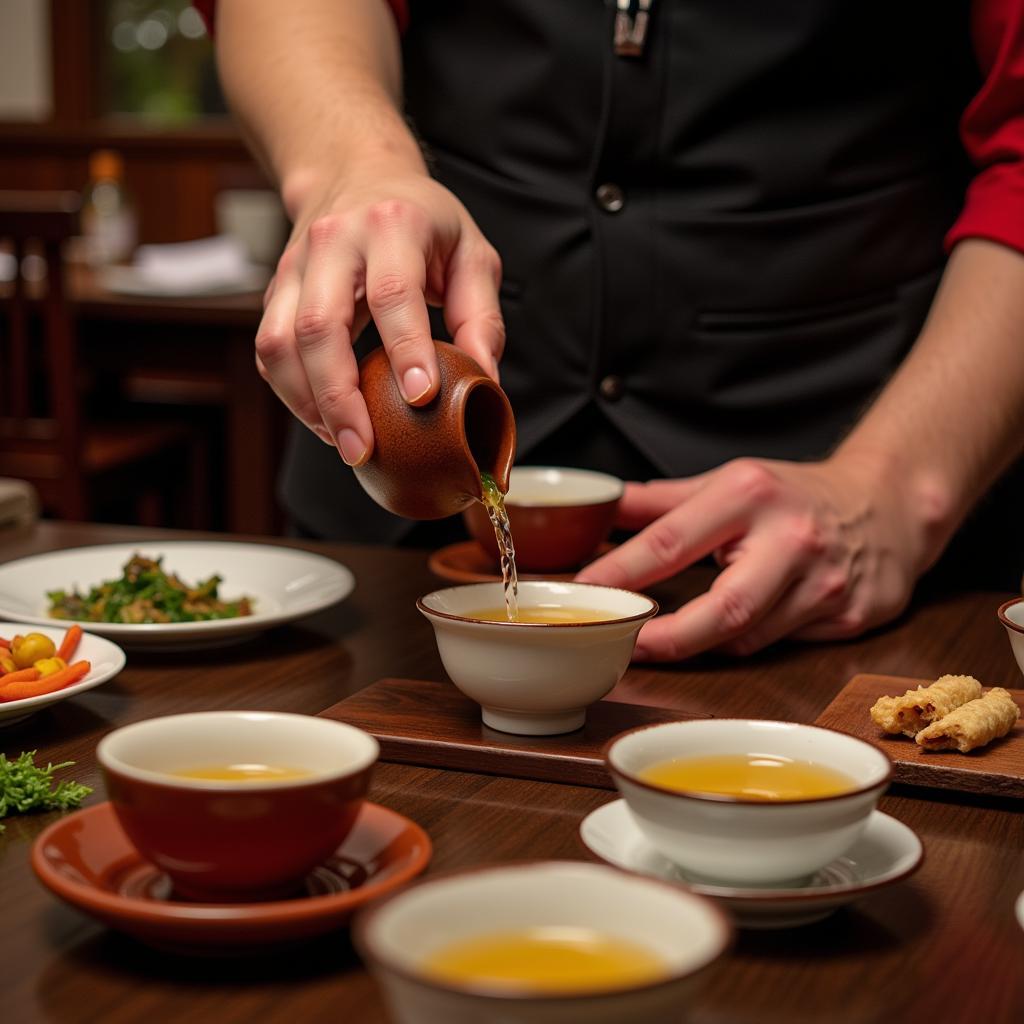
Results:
<point x="87" y="860"/>
<point x="467" y="562"/>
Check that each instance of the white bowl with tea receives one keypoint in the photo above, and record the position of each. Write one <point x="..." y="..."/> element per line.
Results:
<point x="237" y="805"/>
<point x="748" y="802"/>
<point x="535" y="675"/>
<point x="544" y="942"/>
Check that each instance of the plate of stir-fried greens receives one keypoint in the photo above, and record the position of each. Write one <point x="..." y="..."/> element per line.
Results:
<point x="145" y="593"/>
<point x="173" y="594"/>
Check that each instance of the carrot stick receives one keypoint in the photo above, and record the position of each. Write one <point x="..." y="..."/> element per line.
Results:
<point x="69" y="644"/>
<point x="48" y="684"/>
<point x="5" y="643"/>
<point x="23" y="675"/>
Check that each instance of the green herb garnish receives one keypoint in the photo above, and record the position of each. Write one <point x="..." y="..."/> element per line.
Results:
<point x="145" y="593"/>
<point x="24" y="787"/>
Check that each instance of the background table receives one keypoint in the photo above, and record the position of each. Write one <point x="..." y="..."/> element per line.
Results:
<point x="198" y="351"/>
<point x="943" y="947"/>
<point x="207" y="342"/>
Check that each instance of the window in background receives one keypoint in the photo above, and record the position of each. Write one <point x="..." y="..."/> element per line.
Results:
<point x="25" y="87"/>
<point x="158" y="61"/>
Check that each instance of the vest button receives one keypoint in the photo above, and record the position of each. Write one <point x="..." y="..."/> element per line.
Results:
<point x="612" y="388"/>
<point x="610" y="197"/>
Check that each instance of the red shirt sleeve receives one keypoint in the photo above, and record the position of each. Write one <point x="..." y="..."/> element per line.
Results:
<point x="208" y="10"/>
<point x="992" y="128"/>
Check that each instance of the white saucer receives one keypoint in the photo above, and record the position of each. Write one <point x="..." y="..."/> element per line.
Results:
<point x="887" y="852"/>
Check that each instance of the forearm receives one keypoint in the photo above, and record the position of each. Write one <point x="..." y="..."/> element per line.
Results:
<point x="952" y="417"/>
<point x="317" y="86"/>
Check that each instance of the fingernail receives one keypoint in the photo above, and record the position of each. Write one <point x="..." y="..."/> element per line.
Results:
<point x="351" y="446"/>
<point x="415" y="384"/>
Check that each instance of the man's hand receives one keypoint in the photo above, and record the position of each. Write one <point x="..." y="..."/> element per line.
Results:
<point x="381" y="245"/>
<point x="819" y="551"/>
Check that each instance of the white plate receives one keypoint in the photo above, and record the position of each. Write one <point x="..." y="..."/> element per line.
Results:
<point x="106" y="658"/>
<point x="1020" y="909"/>
<point x="887" y="852"/>
<point x="284" y="583"/>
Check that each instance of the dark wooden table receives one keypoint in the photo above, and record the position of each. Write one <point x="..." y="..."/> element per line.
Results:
<point x="943" y="947"/>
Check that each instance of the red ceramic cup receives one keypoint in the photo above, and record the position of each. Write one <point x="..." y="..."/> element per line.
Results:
<point x="228" y="841"/>
<point x="559" y="517"/>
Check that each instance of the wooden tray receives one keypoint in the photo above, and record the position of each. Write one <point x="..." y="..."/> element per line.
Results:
<point x="997" y="769"/>
<point x="433" y="724"/>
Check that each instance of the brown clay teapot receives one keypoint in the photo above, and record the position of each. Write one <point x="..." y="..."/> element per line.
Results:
<point x="427" y="461"/>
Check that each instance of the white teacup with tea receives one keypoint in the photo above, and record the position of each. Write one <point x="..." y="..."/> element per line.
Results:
<point x="568" y="646"/>
<point x="544" y="942"/>
<point x="746" y="802"/>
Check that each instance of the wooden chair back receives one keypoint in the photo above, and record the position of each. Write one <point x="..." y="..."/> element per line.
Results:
<point x="40" y="428"/>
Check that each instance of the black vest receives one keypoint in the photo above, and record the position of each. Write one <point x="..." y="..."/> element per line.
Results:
<point x="721" y="248"/>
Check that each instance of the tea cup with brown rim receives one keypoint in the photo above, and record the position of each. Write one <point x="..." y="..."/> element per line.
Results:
<point x="227" y="840"/>
<point x="559" y="517"/>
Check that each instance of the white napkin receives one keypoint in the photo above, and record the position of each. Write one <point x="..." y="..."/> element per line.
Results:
<point x="19" y="502"/>
<point x="204" y="265"/>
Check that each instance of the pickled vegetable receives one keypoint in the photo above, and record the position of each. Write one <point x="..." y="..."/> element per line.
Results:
<point x="27" y="650"/>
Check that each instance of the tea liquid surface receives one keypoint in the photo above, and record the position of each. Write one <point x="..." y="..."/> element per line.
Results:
<point x="243" y="773"/>
<point x="494" y="502"/>
<point x="749" y="776"/>
<point x="548" y="959"/>
<point x="541" y="614"/>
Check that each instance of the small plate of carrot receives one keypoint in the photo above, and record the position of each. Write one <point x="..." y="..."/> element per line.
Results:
<point x="40" y="665"/>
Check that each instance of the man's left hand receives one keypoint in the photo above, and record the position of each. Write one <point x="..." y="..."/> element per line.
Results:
<point x="817" y="551"/>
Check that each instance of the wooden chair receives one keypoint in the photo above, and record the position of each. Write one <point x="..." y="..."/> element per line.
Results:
<point x="46" y="437"/>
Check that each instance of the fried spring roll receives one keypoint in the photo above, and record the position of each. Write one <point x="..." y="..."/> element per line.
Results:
<point x="910" y="713"/>
<point x="972" y="724"/>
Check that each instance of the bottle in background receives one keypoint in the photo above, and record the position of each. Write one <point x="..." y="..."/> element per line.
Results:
<point x="108" y="216"/>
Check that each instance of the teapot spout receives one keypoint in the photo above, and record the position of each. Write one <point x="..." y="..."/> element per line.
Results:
<point x="427" y="460"/>
<point x="490" y="434"/>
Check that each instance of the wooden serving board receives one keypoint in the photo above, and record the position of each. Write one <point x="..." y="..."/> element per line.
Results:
<point x="434" y="725"/>
<point x="997" y="769"/>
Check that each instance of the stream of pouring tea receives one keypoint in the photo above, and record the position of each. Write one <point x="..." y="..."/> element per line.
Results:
<point x="494" y="502"/>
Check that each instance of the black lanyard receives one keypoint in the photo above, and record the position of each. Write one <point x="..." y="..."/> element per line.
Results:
<point x="632" y="18"/>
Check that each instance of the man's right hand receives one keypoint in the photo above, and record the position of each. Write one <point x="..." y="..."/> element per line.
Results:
<point x="379" y="245"/>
